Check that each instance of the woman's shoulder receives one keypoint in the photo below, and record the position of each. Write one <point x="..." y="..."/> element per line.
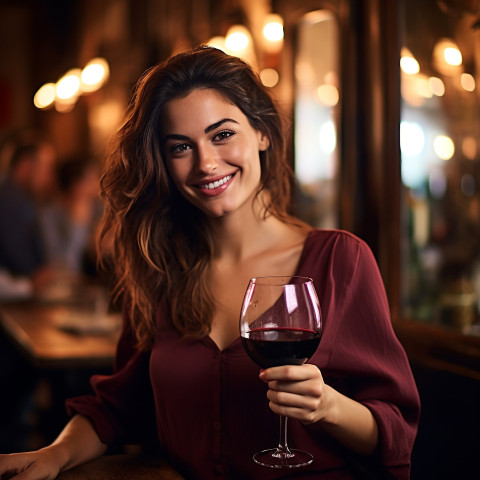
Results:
<point x="336" y="255"/>
<point x="335" y="238"/>
<point x="335" y="248"/>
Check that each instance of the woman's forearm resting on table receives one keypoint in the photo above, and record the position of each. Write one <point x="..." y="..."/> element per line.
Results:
<point x="76" y="444"/>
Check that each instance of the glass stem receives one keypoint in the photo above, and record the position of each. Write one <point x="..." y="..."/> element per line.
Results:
<point x="282" y="444"/>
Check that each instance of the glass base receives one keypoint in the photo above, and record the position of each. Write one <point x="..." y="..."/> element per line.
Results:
<point x="276" y="458"/>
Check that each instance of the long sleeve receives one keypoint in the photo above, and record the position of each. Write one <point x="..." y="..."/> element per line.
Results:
<point x="121" y="409"/>
<point x="359" y="354"/>
<point x="208" y="406"/>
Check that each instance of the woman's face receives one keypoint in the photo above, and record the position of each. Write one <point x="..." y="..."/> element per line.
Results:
<point x="212" y="151"/>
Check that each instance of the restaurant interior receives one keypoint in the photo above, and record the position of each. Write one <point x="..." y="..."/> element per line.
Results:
<point x="382" y="103"/>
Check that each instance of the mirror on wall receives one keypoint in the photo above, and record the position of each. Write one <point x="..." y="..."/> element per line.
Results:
<point x="440" y="148"/>
<point x="316" y="109"/>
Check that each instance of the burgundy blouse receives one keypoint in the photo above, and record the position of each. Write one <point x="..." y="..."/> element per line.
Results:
<point x="207" y="408"/>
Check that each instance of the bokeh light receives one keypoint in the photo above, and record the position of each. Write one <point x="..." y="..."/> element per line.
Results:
<point x="94" y="75"/>
<point x="443" y="147"/>
<point x="45" y="96"/>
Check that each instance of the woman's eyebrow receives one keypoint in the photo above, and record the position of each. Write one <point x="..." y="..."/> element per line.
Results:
<point x="176" y="136"/>
<point x="217" y="124"/>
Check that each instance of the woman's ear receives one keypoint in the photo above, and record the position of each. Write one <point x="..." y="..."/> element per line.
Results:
<point x="263" y="142"/>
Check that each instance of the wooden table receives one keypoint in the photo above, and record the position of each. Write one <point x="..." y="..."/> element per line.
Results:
<point x="46" y="334"/>
<point x="122" y="467"/>
<point x="63" y="354"/>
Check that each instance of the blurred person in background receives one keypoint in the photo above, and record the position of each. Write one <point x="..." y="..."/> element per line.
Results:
<point x="26" y="185"/>
<point x="69" y="221"/>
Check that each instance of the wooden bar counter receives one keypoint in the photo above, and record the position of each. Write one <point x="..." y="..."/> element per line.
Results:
<point x="122" y="467"/>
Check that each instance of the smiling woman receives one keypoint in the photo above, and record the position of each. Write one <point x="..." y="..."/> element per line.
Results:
<point x="216" y="166"/>
<point x="197" y="191"/>
<point x="174" y="124"/>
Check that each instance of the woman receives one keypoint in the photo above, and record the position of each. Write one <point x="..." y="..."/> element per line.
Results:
<point x="197" y="192"/>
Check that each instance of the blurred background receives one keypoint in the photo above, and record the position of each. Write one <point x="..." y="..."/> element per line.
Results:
<point x="382" y="104"/>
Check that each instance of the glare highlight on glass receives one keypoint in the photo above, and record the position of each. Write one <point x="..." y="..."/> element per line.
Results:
<point x="443" y="147"/>
<point x="291" y="302"/>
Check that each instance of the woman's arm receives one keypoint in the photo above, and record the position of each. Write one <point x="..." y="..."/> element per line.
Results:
<point x="76" y="444"/>
<point x="300" y="392"/>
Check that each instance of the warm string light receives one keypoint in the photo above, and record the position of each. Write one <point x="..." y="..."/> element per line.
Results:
<point x="239" y="42"/>
<point x="408" y="63"/>
<point x="45" y="96"/>
<point x="65" y="92"/>
<point x="467" y="82"/>
<point x="238" y="39"/>
<point x="447" y="60"/>
<point x="273" y="33"/>
<point x="94" y="75"/>
<point x="415" y="137"/>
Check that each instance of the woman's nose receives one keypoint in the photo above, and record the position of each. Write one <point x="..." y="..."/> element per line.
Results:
<point x="207" y="159"/>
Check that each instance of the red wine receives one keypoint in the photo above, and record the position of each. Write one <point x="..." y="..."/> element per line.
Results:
<point x="271" y="347"/>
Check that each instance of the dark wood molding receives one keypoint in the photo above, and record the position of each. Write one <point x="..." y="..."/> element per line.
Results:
<point x="440" y="348"/>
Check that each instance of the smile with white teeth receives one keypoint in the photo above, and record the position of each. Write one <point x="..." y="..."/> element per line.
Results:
<point x="211" y="186"/>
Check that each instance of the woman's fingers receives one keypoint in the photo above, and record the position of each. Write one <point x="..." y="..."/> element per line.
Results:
<point x="12" y="464"/>
<point x="295" y="391"/>
<point x="290" y="372"/>
<point x="25" y="466"/>
<point x="299" y="379"/>
<point x="301" y="387"/>
<point x="300" y="414"/>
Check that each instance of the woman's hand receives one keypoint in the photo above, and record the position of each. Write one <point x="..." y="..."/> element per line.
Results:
<point x="77" y="443"/>
<point x="40" y="465"/>
<point x="298" y="391"/>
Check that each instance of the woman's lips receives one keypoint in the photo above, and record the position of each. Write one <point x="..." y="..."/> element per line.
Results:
<point x="216" y="187"/>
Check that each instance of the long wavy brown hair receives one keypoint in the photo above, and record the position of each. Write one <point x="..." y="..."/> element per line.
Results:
<point x="162" y="246"/>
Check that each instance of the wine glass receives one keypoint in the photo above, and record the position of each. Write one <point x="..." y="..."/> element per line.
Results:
<point x="280" y="324"/>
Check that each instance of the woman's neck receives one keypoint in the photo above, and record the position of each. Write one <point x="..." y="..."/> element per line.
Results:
<point x="246" y="233"/>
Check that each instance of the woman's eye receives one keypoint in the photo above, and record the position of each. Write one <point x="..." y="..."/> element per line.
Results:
<point x="179" y="148"/>
<point x="223" y="135"/>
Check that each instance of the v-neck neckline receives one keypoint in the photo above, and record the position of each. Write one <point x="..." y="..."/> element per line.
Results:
<point x="209" y="339"/>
